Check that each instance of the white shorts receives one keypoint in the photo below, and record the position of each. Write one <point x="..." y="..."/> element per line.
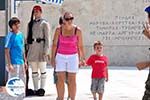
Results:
<point x="19" y="72"/>
<point x="67" y="63"/>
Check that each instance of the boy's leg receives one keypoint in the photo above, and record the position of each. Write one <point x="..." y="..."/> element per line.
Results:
<point x="14" y="74"/>
<point x="101" y="84"/>
<point x="22" y="75"/>
<point x="94" y="95"/>
<point x="11" y="75"/>
<point x="19" y="72"/>
<point x="94" y="88"/>
<point x="100" y="96"/>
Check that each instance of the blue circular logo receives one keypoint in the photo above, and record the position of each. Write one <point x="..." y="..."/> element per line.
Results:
<point x="15" y="87"/>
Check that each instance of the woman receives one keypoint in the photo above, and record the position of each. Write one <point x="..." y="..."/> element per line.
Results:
<point x="67" y="43"/>
<point x="55" y="76"/>
<point x="38" y="40"/>
<point x="147" y="34"/>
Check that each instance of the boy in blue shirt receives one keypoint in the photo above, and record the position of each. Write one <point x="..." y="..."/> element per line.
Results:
<point x="14" y="50"/>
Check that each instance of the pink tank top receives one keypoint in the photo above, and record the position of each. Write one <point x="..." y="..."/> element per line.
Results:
<point x="67" y="44"/>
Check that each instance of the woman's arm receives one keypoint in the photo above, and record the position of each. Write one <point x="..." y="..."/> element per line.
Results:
<point x="54" y="46"/>
<point x="80" y="44"/>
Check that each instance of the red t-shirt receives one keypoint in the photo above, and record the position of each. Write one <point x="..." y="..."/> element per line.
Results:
<point x="99" y="66"/>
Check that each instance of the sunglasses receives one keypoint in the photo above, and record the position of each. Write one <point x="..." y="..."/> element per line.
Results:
<point x="67" y="19"/>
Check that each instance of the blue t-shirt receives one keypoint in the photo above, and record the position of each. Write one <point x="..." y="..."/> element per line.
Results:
<point x="15" y="43"/>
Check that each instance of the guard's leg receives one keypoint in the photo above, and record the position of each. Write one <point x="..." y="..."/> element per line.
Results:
<point x="35" y="75"/>
<point x="42" y="67"/>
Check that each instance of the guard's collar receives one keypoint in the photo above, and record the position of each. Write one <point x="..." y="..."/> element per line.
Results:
<point x="37" y="20"/>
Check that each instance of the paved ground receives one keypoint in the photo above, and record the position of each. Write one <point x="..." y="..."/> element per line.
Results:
<point x="125" y="83"/>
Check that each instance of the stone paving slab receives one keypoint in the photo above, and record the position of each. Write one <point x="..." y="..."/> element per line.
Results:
<point x="125" y="83"/>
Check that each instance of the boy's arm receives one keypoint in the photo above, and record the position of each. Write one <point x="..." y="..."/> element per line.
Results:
<point x="106" y="74"/>
<point x="89" y="61"/>
<point x="10" y="67"/>
<point x="25" y="62"/>
<point x="7" y="56"/>
<point x="107" y="70"/>
<point x="8" y="44"/>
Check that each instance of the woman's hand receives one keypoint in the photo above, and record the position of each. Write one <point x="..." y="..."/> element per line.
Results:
<point x="44" y="55"/>
<point x="82" y="62"/>
<point x="49" y="59"/>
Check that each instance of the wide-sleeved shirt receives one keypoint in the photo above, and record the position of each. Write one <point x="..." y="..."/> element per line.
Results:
<point x="99" y="66"/>
<point x="40" y="29"/>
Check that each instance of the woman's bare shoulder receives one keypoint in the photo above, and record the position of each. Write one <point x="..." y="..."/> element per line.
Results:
<point x="58" y="28"/>
<point x="79" y="32"/>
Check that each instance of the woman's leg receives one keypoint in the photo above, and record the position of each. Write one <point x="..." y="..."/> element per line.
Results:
<point x="60" y="85"/>
<point x="72" y="85"/>
<point x="57" y="89"/>
<point x="68" y="92"/>
<point x="66" y="81"/>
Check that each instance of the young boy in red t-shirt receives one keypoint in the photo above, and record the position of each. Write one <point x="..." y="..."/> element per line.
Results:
<point x="99" y="64"/>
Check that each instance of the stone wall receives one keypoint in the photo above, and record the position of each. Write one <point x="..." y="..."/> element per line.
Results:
<point x="2" y="23"/>
<point x="117" y="23"/>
